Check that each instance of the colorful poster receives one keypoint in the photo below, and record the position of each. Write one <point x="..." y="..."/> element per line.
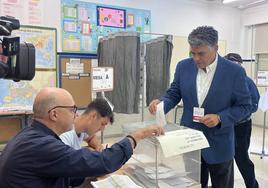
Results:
<point x="111" y="17"/>
<point x="83" y="23"/>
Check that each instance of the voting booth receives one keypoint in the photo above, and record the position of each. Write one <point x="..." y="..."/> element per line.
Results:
<point x="172" y="160"/>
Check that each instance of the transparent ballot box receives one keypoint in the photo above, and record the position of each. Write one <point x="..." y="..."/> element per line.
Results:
<point x="168" y="161"/>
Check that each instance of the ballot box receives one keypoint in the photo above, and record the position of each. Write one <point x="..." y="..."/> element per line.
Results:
<point x="173" y="160"/>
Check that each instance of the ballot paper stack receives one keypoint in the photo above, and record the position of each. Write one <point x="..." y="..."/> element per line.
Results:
<point x="172" y="160"/>
<point x="166" y="177"/>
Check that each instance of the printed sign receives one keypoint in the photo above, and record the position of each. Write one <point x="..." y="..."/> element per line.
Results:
<point x="262" y="78"/>
<point x="102" y="79"/>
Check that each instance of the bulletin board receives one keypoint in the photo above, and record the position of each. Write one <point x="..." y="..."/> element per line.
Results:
<point x="83" y="23"/>
<point x="75" y="77"/>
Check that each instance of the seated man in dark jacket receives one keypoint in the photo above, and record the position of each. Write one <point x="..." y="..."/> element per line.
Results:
<point x="36" y="157"/>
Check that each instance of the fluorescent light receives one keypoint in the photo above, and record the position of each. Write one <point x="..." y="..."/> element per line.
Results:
<point x="250" y="4"/>
<point x="228" y="1"/>
<point x="255" y="2"/>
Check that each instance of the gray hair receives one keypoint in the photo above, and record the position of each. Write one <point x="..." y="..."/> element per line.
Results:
<point x="203" y="35"/>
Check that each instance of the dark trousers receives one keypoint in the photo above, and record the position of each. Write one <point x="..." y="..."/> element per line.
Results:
<point x="222" y="174"/>
<point x="244" y="164"/>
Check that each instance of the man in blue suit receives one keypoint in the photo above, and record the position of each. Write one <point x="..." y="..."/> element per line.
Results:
<point x="215" y="96"/>
<point x="243" y="132"/>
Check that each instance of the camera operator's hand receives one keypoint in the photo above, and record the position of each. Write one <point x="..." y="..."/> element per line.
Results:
<point x="2" y="57"/>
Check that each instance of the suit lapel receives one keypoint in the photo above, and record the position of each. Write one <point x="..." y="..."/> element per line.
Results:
<point x="192" y="82"/>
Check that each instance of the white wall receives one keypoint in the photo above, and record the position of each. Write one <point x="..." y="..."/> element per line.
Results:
<point x="251" y="17"/>
<point x="255" y="15"/>
<point x="177" y="17"/>
<point x="180" y="17"/>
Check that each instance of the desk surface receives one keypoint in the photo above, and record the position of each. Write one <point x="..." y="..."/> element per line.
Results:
<point x="16" y="112"/>
<point x="12" y="121"/>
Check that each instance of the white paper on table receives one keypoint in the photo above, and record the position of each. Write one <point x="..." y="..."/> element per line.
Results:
<point x="263" y="102"/>
<point x="160" y="169"/>
<point x="166" y="175"/>
<point x="160" y="115"/>
<point x="115" y="181"/>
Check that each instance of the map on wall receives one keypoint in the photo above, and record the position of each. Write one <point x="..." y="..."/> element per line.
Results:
<point x="44" y="41"/>
<point x="83" y="23"/>
<point x="21" y="94"/>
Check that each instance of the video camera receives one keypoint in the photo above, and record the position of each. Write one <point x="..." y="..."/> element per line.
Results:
<point x="17" y="60"/>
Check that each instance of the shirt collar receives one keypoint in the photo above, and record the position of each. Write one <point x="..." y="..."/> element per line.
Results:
<point x="213" y="65"/>
<point x="44" y="129"/>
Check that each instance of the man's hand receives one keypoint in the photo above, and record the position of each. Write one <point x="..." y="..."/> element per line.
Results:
<point x="210" y="120"/>
<point x="95" y="143"/>
<point x="153" y="106"/>
<point x="153" y="130"/>
<point x="2" y="57"/>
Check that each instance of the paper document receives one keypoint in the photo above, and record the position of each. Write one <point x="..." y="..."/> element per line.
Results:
<point x="181" y="141"/>
<point x="109" y="102"/>
<point x="160" y="115"/>
<point x="115" y="181"/>
<point x="263" y="102"/>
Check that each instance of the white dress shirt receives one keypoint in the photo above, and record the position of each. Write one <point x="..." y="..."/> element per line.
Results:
<point x="204" y="79"/>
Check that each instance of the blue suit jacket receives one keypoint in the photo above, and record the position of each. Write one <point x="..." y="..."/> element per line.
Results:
<point x="228" y="96"/>
<point x="254" y="93"/>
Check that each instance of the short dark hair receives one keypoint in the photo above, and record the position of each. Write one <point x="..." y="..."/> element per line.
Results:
<point x="203" y="35"/>
<point x="102" y="107"/>
<point x="234" y="57"/>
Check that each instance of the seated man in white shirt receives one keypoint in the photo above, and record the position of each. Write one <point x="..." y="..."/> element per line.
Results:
<point x="97" y="115"/>
<point x="94" y="119"/>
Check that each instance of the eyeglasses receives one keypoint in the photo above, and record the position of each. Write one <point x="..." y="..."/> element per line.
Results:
<point x="74" y="108"/>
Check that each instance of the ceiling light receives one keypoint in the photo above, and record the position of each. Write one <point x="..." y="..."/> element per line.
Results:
<point x="251" y="4"/>
<point x="228" y="1"/>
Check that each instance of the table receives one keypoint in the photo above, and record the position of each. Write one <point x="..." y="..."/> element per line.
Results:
<point x="11" y="122"/>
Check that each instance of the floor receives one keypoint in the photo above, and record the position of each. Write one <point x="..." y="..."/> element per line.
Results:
<point x="261" y="165"/>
